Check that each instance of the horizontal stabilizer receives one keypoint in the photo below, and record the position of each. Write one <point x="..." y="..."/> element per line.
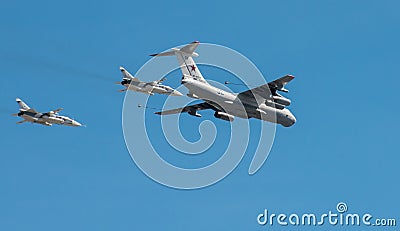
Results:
<point x="168" y="53"/>
<point x="185" y="56"/>
<point x="187" y="50"/>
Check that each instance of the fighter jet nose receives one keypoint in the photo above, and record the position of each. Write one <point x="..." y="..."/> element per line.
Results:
<point x="176" y="93"/>
<point x="76" y="124"/>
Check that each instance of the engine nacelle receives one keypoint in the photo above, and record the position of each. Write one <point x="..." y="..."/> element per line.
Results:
<point x="224" y="116"/>
<point x="281" y="100"/>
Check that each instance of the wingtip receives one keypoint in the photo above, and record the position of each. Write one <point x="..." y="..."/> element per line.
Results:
<point x="153" y="55"/>
<point x="196" y="41"/>
<point x="121" y="68"/>
<point x="18" y="99"/>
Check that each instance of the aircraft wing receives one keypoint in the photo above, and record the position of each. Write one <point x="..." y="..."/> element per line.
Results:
<point x="280" y="83"/>
<point x="54" y="111"/>
<point x="266" y="90"/>
<point x="263" y="91"/>
<point x="191" y="109"/>
<point x="43" y="123"/>
<point x="58" y="109"/>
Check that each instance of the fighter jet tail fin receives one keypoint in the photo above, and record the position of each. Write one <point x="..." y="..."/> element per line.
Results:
<point x="186" y="62"/>
<point x="22" y="105"/>
<point x="127" y="75"/>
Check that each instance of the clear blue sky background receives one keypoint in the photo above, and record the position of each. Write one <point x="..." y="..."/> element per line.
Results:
<point x="344" y="147"/>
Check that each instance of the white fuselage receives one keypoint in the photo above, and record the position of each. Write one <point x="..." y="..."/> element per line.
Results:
<point x="151" y="89"/>
<point x="49" y="119"/>
<point x="231" y="104"/>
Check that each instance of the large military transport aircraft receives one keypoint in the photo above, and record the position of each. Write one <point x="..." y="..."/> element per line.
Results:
<point x="263" y="102"/>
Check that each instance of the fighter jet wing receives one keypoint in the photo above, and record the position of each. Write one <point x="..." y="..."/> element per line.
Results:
<point x="53" y="111"/>
<point x="191" y="109"/>
<point x="58" y="110"/>
<point x="43" y="123"/>
<point x="266" y="90"/>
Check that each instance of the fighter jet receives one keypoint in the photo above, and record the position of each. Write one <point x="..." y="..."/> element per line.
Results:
<point x="134" y="84"/>
<point x="46" y="118"/>
<point x="262" y="102"/>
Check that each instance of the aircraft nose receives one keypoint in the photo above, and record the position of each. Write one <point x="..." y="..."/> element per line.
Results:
<point x="293" y="120"/>
<point x="76" y="124"/>
<point x="176" y="93"/>
<point x="289" y="120"/>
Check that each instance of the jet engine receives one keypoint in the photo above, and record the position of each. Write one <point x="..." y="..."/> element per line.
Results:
<point x="224" y="116"/>
<point x="281" y="100"/>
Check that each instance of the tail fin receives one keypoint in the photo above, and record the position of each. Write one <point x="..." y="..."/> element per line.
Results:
<point x="22" y="105"/>
<point x="186" y="62"/>
<point x="127" y="75"/>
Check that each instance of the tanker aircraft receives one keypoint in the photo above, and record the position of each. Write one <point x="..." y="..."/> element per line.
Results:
<point x="263" y="102"/>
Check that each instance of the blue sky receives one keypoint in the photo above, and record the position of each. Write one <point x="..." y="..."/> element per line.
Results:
<point x="345" y="56"/>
